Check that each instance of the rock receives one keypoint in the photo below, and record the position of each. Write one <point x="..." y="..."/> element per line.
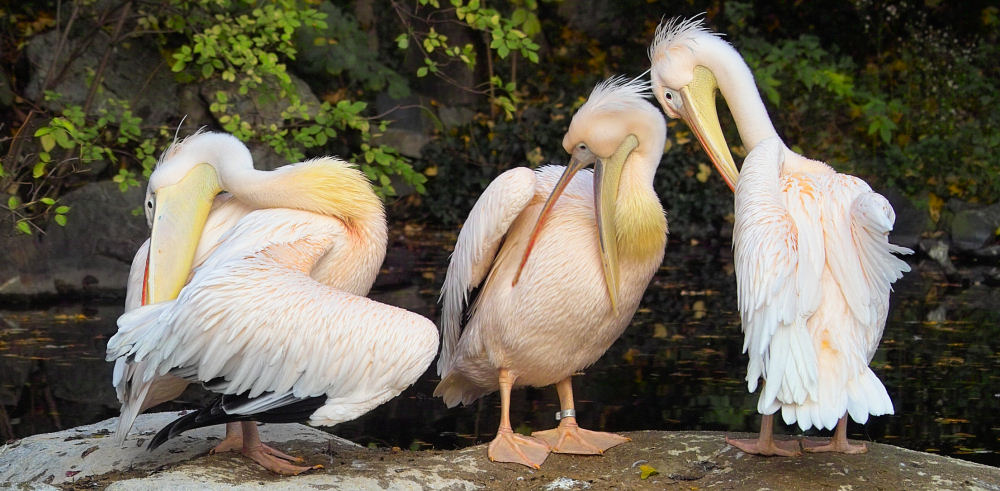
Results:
<point x="455" y="116"/>
<point x="681" y="460"/>
<point x="911" y="222"/>
<point x="974" y="228"/>
<point x="136" y="72"/>
<point x="937" y="250"/>
<point x="85" y="451"/>
<point x="408" y="142"/>
<point x="91" y="255"/>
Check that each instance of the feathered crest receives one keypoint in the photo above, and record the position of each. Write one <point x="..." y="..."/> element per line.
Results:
<point x="618" y="91"/>
<point x="679" y="31"/>
<point x="176" y="144"/>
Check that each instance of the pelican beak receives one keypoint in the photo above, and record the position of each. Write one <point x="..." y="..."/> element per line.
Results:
<point x="179" y="217"/>
<point x="607" y="174"/>
<point x="698" y="102"/>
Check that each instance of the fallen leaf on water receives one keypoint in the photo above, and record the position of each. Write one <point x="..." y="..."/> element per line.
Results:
<point x="646" y="471"/>
<point x="71" y="473"/>
<point x="659" y="331"/>
<point x="88" y="451"/>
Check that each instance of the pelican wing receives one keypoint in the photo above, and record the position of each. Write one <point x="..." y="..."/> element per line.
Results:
<point x="257" y="324"/>
<point x="777" y="246"/>
<point x="226" y="212"/>
<point x="477" y="245"/>
<point x="860" y="255"/>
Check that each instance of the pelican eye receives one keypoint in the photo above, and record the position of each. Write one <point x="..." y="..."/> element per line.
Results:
<point x="150" y="204"/>
<point x="673" y="98"/>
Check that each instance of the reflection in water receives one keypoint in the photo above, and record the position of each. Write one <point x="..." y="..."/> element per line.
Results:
<point x="678" y="366"/>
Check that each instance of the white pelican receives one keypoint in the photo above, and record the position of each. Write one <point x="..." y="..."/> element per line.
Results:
<point x="814" y="266"/>
<point x="595" y="249"/>
<point x="256" y="292"/>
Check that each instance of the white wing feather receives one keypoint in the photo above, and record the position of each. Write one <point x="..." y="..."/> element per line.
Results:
<point x="480" y="237"/>
<point x="307" y="340"/>
<point x="778" y="264"/>
<point x="860" y="255"/>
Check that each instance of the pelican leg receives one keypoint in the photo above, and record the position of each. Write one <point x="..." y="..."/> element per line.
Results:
<point x="233" y="442"/>
<point x="838" y="443"/>
<point x="254" y="449"/>
<point x="509" y="446"/>
<point x="568" y="437"/>
<point x="765" y="444"/>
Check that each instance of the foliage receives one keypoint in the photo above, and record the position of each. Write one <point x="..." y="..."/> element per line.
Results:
<point x="908" y="116"/>
<point x="894" y="92"/>
<point x="507" y="36"/>
<point x="248" y="50"/>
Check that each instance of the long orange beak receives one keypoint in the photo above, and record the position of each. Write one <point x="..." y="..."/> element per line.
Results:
<point x="579" y="159"/>
<point x="607" y="174"/>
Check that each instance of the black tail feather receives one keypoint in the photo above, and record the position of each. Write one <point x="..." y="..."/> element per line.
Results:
<point x="215" y="413"/>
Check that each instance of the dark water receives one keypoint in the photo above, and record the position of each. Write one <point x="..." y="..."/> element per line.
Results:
<point x="678" y="366"/>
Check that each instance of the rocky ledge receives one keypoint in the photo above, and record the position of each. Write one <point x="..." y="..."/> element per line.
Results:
<point x="86" y="457"/>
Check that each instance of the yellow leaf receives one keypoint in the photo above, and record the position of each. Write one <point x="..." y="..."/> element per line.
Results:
<point x="682" y="137"/>
<point x="431" y="171"/>
<point x="535" y="157"/>
<point x="630" y="355"/>
<point x="646" y="471"/>
<point x="934" y="204"/>
<point x="704" y="172"/>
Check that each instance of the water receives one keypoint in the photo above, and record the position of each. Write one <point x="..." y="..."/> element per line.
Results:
<point x="678" y="366"/>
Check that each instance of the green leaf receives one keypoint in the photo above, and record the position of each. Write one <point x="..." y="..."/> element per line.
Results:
<point x="62" y="210"/>
<point x="48" y="201"/>
<point x="422" y="71"/>
<point x="519" y="16"/>
<point x="38" y="170"/>
<point x="48" y="142"/>
<point x="403" y="41"/>
<point x="13" y="202"/>
<point x="646" y="471"/>
<point x="61" y="220"/>
<point x="24" y="227"/>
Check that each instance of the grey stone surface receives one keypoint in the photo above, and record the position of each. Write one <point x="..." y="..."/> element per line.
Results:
<point x="911" y="222"/>
<point x="90" y="255"/>
<point x="135" y="73"/>
<point x="681" y="460"/>
<point x="972" y="229"/>
<point x="70" y="455"/>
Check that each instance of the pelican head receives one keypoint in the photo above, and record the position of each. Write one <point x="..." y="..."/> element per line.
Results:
<point x="615" y="122"/>
<point x="686" y="59"/>
<point x="178" y="199"/>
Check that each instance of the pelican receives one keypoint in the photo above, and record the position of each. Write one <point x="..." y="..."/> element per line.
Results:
<point x="558" y="278"/>
<point x="258" y="293"/>
<point x="814" y="265"/>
